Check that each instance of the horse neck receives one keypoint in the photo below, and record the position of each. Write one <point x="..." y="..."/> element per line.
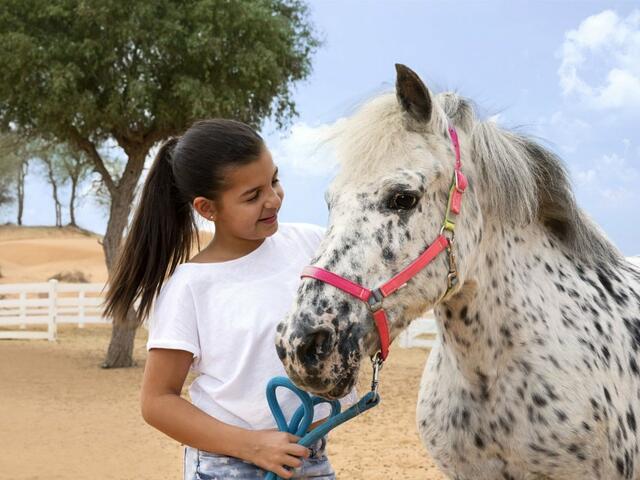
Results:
<point x="502" y="311"/>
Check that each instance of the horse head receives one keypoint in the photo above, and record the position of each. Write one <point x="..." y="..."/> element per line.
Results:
<point x="387" y="206"/>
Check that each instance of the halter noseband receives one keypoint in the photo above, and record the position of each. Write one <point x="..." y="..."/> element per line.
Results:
<point x="374" y="298"/>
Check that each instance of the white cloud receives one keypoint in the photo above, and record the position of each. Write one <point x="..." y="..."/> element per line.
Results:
<point x="307" y="149"/>
<point x="498" y="119"/>
<point x="567" y="131"/>
<point x="612" y="178"/>
<point x="600" y="61"/>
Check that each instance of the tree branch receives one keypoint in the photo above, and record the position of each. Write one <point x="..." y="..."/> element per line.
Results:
<point x="87" y="146"/>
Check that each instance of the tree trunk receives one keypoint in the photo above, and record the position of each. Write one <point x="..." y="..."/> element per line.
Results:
<point x="54" y="187"/>
<point x="72" y="201"/>
<point x="120" y="351"/>
<point x="22" y="173"/>
<point x="58" y="212"/>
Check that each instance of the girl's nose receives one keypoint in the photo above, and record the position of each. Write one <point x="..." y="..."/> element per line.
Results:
<point x="274" y="200"/>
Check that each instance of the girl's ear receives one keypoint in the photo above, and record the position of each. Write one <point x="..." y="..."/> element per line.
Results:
<point x="205" y="207"/>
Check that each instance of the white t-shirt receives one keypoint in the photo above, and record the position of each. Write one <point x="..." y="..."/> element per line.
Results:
<point x="226" y="314"/>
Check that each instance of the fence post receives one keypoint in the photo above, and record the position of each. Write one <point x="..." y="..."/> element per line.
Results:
<point x="81" y="311"/>
<point x="23" y="310"/>
<point x="53" y="302"/>
<point x="404" y="340"/>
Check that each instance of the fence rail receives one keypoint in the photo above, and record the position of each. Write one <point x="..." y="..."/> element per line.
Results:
<point x="420" y="333"/>
<point x="48" y="303"/>
<point x="51" y="303"/>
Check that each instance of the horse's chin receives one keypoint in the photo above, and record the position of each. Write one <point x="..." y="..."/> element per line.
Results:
<point x="342" y="388"/>
<point x="330" y="390"/>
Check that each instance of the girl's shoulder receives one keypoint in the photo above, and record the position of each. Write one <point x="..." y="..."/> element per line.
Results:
<point x="302" y="231"/>
<point x="177" y="284"/>
<point x="301" y="235"/>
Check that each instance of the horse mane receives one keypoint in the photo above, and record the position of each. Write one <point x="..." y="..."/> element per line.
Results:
<point x="526" y="182"/>
<point x="521" y="181"/>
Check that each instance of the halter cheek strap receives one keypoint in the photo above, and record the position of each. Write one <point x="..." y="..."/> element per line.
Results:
<point x="445" y="241"/>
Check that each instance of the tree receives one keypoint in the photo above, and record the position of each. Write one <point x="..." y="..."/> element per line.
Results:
<point x="53" y="177"/>
<point x="83" y="72"/>
<point x="78" y="168"/>
<point x="63" y="165"/>
<point x="8" y="161"/>
<point x="21" y="173"/>
<point x="14" y="166"/>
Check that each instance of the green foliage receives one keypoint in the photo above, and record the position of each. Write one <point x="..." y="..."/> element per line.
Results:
<point x="13" y="154"/>
<point x="130" y="70"/>
<point x="85" y="72"/>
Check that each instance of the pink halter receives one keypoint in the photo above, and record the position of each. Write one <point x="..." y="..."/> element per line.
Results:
<point x="374" y="298"/>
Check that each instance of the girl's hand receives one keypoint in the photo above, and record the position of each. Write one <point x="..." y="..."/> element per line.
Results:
<point x="273" y="450"/>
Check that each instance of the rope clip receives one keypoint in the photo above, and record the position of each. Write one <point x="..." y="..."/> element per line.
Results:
<point x="377" y="364"/>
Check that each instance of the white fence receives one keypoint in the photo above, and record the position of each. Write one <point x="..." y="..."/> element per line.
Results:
<point x="48" y="303"/>
<point x="420" y="333"/>
<point x="52" y="303"/>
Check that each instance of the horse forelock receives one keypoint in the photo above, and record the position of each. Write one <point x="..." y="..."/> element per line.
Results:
<point x="518" y="180"/>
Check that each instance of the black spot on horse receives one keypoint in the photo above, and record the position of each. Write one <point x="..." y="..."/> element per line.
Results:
<point x="538" y="400"/>
<point x="631" y="419"/>
<point x="388" y="254"/>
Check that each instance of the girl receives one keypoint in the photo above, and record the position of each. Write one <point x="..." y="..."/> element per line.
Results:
<point x="217" y="313"/>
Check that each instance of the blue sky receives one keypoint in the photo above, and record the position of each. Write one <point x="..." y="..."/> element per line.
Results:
<point x="566" y="72"/>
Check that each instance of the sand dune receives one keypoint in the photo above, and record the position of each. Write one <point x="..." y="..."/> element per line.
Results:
<point x="34" y="254"/>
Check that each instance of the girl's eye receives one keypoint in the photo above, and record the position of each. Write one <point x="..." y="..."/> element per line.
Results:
<point x="275" y="181"/>
<point x="403" y="201"/>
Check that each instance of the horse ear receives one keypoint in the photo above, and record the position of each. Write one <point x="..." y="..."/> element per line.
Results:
<point x="412" y="94"/>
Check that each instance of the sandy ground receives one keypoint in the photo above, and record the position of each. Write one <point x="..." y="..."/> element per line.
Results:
<point x="33" y="254"/>
<point x="62" y="417"/>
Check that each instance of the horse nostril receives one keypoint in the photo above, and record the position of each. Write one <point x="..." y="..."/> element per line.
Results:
<point x="315" y="346"/>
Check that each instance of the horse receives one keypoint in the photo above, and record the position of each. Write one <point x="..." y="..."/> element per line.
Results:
<point x="535" y="372"/>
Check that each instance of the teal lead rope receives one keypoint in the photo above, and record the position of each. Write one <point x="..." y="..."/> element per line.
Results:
<point x="303" y="417"/>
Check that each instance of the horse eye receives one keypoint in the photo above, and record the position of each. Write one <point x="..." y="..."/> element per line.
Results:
<point x="403" y="201"/>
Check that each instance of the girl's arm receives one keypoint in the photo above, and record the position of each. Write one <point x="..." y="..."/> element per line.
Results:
<point x="163" y="408"/>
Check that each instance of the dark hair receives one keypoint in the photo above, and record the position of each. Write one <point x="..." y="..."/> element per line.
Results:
<point x="163" y="229"/>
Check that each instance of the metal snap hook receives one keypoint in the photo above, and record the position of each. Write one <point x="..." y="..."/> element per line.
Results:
<point x="377" y="364"/>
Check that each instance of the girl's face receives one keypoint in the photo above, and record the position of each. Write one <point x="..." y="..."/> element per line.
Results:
<point x="248" y="207"/>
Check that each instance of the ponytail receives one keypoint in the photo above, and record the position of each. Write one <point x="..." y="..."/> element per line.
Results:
<point x="160" y="237"/>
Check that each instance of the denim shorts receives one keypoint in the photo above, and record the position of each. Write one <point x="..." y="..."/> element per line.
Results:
<point x="201" y="465"/>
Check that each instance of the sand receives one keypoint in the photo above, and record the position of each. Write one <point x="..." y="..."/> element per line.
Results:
<point x="33" y="254"/>
<point x="63" y="417"/>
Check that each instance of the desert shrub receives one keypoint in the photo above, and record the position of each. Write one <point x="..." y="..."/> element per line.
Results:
<point x="71" y="276"/>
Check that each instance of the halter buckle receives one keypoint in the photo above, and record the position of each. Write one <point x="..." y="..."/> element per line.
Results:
<point x="374" y="302"/>
<point x="452" y="277"/>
